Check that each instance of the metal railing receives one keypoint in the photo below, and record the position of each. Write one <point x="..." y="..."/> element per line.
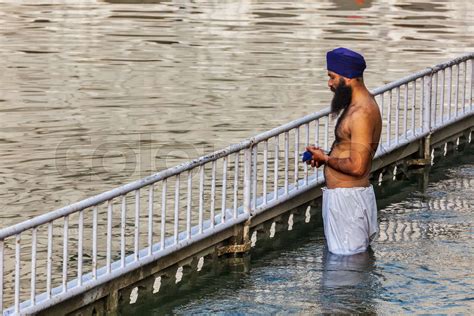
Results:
<point x="55" y="256"/>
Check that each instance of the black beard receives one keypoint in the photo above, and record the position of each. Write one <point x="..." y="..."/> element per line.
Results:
<point x="342" y="98"/>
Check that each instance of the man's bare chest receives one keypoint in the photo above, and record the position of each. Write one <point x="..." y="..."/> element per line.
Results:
<point x="342" y="130"/>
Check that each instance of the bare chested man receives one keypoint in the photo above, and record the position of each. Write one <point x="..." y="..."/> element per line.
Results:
<point x="349" y="206"/>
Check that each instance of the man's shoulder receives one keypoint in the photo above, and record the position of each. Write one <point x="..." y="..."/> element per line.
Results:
<point x="366" y="109"/>
<point x="365" y="116"/>
<point x="364" y="112"/>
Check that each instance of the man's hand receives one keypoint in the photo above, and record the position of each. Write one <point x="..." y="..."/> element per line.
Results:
<point x="319" y="157"/>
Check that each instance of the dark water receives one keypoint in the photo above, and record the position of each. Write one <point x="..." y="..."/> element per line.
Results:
<point x="94" y="94"/>
<point x="422" y="261"/>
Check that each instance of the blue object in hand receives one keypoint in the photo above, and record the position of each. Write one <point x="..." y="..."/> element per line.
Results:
<point x="307" y="155"/>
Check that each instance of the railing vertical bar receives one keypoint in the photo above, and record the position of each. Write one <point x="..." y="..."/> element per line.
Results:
<point x="176" y="209"/>
<point x="189" y="203"/>
<point x="247" y="181"/>
<point x="224" y="189"/>
<point x="297" y="146"/>
<point x="456" y="96"/>
<point x="413" y="110"/>
<point x="382" y="105"/>
<point x="306" y="127"/>
<point x="441" y="110"/>
<point x="151" y="190"/>
<point x="405" y="111"/>
<point x="33" y="269"/>
<point x="287" y="149"/>
<point x="213" y="193"/>
<point x="2" y="247"/>
<point x="428" y="91"/>
<point x="123" y="224"/>
<point x="254" y="175"/>
<point x="265" y="170"/>
<point x="109" y="235"/>
<point x="472" y="84"/>
<point x="389" y="117"/>
<point x="450" y="83"/>
<point x="316" y="143"/>
<point x="137" y="224"/>
<point x="236" y="183"/>
<point x="464" y="89"/>
<point x="163" y="214"/>
<point x="17" y="272"/>
<point x="326" y="134"/>
<point x="201" y="197"/>
<point x="80" y="248"/>
<point x="397" y="116"/>
<point x="326" y="143"/>
<point x="94" y="242"/>
<point x="276" y="158"/>
<point x="422" y="106"/>
<point x="435" y="101"/>
<point x="65" y="251"/>
<point x="49" y="260"/>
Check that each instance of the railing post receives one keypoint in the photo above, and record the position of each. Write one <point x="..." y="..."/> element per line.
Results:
<point x="1" y="274"/>
<point x="427" y="103"/>
<point x="472" y="83"/>
<point x="247" y="178"/>
<point x="426" y="123"/>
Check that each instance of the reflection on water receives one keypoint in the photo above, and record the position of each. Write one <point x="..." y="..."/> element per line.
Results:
<point x="136" y="1"/>
<point x="422" y="6"/>
<point x="95" y="94"/>
<point x="346" y="271"/>
<point x="351" y="5"/>
<point x="348" y="283"/>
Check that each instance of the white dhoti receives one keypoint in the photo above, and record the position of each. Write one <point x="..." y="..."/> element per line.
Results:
<point x="350" y="219"/>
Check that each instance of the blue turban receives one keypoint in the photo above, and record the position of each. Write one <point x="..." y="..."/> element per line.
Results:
<point x="345" y="62"/>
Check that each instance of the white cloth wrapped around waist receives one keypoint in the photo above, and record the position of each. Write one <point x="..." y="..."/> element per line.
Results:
<point x="350" y="219"/>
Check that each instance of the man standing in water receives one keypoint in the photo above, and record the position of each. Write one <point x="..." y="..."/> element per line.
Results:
<point x="349" y="206"/>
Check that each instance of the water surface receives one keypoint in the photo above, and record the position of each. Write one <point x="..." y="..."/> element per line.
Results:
<point x="95" y="94"/>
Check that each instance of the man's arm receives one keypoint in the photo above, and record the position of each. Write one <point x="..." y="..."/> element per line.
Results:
<point x="357" y="164"/>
